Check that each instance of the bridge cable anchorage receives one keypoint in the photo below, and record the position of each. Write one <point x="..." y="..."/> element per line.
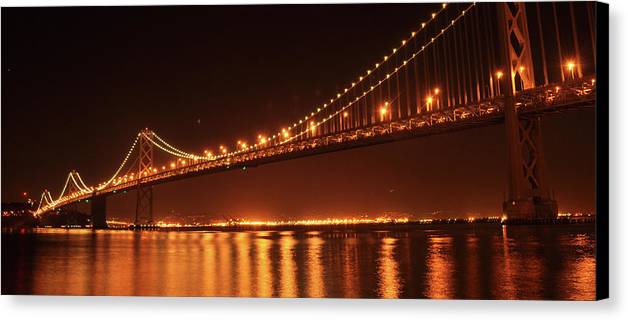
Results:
<point x="384" y="79"/>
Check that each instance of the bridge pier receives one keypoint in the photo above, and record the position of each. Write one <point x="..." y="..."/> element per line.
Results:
<point x="99" y="212"/>
<point x="528" y="196"/>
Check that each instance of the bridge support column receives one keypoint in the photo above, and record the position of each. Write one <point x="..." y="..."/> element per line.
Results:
<point x="528" y="196"/>
<point x="99" y="212"/>
<point x="144" y="205"/>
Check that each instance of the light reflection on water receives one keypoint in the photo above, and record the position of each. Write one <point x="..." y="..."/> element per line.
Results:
<point x="473" y="262"/>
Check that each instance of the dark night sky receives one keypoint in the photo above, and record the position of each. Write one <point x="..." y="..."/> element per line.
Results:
<point x="78" y="84"/>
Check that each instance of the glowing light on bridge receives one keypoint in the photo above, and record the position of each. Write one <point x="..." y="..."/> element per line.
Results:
<point x="570" y="67"/>
<point x="383" y="111"/>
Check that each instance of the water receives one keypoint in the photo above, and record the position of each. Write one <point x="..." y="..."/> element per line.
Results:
<point x="470" y="262"/>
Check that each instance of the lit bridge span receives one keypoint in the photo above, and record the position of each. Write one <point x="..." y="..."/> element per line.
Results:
<point x="467" y="65"/>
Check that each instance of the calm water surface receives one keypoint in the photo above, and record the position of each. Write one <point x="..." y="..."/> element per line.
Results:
<point x="472" y="262"/>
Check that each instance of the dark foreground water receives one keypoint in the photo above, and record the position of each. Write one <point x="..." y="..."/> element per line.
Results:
<point x="476" y="262"/>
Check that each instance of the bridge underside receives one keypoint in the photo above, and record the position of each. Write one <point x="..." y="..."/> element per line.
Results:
<point x="99" y="212"/>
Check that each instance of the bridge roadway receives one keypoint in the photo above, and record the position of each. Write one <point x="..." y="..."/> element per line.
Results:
<point x="532" y="102"/>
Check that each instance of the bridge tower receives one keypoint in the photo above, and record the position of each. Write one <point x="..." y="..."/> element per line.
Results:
<point x="144" y="204"/>
<point x="72" y="188"/>
<point x="528" y="196"/>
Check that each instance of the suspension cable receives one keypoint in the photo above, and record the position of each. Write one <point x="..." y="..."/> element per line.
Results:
<point x="67" y="180"/>
<point x="189" y="155"/>
<point x="81" y="189"/>
<point x="362" y="79"/>
<point x="126" y="158"/>
<point x="387" y="76"/>
<point x="170" y="149"/>
<point x="82" y="182"/>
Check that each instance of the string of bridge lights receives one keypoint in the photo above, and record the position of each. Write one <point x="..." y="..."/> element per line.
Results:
<point x="126" y="158"/>
<point x="41" y="200"/>
<point x="73" y="176"/>
<point x="67" y="180"/>
<point x="166" y="147"/>
<point x="376" y="85"/>
<point x="284" y="132"/>
<point x="49" y="198"/>
<point x="173" y="151"/>
<point x="81" y="189"/>
<point x="182" y="153"/>
<point x="82" y="182"/>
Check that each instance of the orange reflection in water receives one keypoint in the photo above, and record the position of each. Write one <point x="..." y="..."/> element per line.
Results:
<point x="264" y="272"/>
<point x="116" y="256"/>
<point x="522" y="266"/>
<point x="351" y="270"/>
<point x="472" y="271"/>
<point x="288" y="270"/>
<point x="224" y="262"/>
<point x="315" y="269"/>
<point x="208" y="283"/>
<point x="506" y="288"/>
<point x="388" y="270"/>
<point x="242" y="243"/>
<point x="76" y="275"/>
<point x="579" y="271"/>
<point x="440" y="268"/>
<point x="534" y="262"/>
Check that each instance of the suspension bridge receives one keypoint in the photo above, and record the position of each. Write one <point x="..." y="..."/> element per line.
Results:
<point x="465" y="65"/>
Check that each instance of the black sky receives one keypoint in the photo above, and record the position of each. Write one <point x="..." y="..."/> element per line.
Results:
<point x="78" y="84"/>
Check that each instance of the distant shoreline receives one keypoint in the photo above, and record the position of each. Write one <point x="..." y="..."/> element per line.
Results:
<point x="358" y="227"/>
<point x="374" y="226"/>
